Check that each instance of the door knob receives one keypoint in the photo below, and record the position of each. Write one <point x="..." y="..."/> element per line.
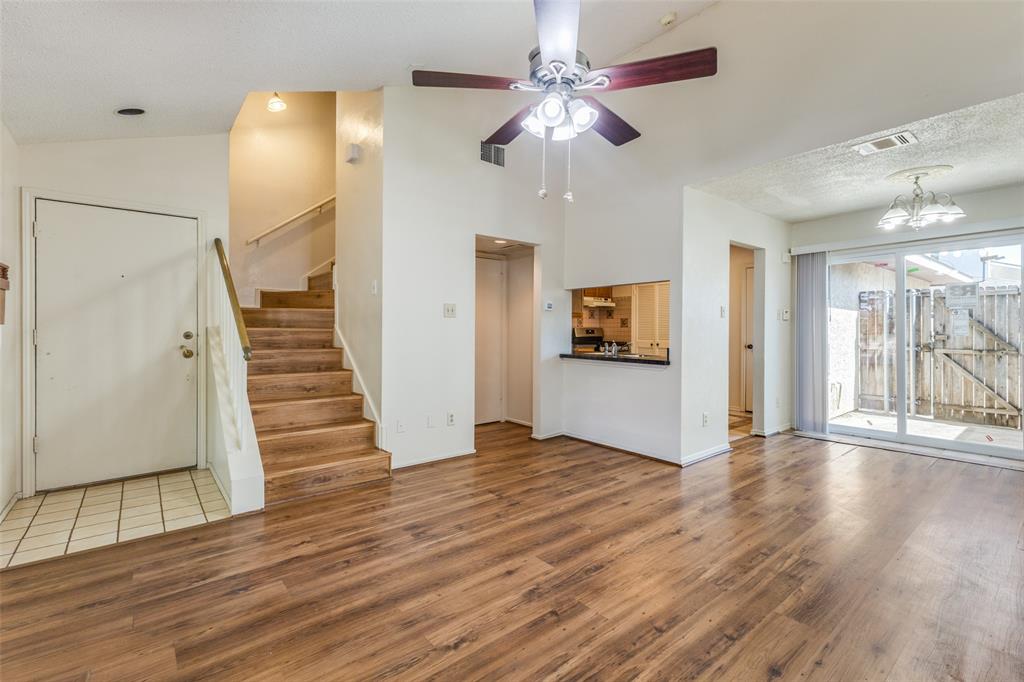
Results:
<point x="750" y="346"/>
<point x="186" y="352"/>
<point x="187" y="335"/>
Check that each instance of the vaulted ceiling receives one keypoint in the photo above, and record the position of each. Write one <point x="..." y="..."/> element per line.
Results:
<point x="68" y="65"/>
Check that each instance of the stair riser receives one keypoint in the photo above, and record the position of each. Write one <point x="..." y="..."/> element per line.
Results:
<point x="288" y="416"/>
<point x="326" y="479"/>
<point x="297" y="299"/>
<point x="284" y="338"/>
<point x="270" y="362"/>
<point x="320" y="282"/>
<point x="294" y="447"/>
<point x="271" y="387"/>
<point x="288" y="317"/>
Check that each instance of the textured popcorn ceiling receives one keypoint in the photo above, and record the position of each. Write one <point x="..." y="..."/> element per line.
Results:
<point x="983" y="143"/>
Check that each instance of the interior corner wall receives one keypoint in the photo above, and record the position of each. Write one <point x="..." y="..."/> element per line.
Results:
<point x="709" y="225"/>
<point x="438" y="195"/>
<point x="740" y="259"/>
<point x="10" y="331"/>
<point x="280" y="164"/>
<point x="359" y="284"/>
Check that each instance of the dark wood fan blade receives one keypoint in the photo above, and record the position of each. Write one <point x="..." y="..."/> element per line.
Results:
<point x="510" y="129"/>
<point x="444" y="79"/>
<point x="674" y="67"/>
<point x="558" y="27"/>
<point x="610" y="125"/>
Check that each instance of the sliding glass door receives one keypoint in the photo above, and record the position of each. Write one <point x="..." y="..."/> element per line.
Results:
<point x="925" y="345"/>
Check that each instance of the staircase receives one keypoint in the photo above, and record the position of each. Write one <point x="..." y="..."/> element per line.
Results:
<point x="309" y="424"/>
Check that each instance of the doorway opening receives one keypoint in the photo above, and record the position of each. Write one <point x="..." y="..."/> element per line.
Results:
<point x="504" y="331"/>
<point x="741" y="341"/>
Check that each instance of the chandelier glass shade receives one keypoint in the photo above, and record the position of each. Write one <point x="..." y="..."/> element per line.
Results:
<point x="920" y="209"/>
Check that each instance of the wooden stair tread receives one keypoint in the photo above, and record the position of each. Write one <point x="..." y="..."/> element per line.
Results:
<point x="273" y="434"/>
<point x="305" y="375"/>
<point x="322" y="460"/>
<point x="354" y="397"/>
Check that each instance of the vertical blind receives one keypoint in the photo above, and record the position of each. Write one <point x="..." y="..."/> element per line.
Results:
<point x="811" y="361"/>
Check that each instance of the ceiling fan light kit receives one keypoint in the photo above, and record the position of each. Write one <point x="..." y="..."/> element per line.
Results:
<point x="921" y="208"/>
<point x="559" y="70"/>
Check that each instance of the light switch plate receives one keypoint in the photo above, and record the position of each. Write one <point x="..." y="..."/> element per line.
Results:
<point x="549" y="306"/>
<point x="449" y="310"/>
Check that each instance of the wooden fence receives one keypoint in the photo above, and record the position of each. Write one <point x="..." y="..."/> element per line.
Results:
<point x="974" y="379"/>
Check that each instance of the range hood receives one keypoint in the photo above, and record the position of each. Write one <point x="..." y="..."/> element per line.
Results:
<point x="597" y="302"/>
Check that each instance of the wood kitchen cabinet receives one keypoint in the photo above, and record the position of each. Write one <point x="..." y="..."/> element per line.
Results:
<point x="651" y="306"/>
<point x="598" y="292"/>
<point x="577" y="304"/>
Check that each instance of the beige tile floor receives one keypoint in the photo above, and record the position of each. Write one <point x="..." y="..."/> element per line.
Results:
<point x="67" y="521"/>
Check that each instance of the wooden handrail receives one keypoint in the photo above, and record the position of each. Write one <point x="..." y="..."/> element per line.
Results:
<point x="318" y="207"/>
<point x="236" y="309"/>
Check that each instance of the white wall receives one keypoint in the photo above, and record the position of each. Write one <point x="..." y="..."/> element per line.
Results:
<point x="10" y="332"/>
<point x="280" y="164"/>
<point x="519" y="355"/>
<point x="709" y="225"/>
<point x="360" y="224"/>
<point x="992" y="209"/>
<point x="740" y="259"/>
<point x="438" y="196"/>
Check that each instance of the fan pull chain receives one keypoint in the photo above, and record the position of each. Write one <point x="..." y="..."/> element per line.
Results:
<point x="568" y="172"/>
<point x="543" y="191"/>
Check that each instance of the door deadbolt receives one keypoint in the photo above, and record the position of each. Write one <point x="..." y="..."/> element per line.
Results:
<point x="186" y="352"/>
<point x="187" y="335"/>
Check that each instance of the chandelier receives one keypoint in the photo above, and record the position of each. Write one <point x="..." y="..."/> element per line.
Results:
<point x="921" y="208"/>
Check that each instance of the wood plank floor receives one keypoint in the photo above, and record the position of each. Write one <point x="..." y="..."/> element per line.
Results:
<point x="788" y="559"/>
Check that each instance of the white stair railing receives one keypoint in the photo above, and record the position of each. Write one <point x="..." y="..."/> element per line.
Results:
<point x="233" y="451"/>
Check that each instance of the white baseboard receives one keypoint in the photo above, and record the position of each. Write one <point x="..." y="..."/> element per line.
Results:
<point x="521" y="422"/>
<point x="624" y="448"/>
<point x="430" y="458"/>
<point x="10" y="505"/>
<point x="546" y="436"/>
<point x="772" y="432"/>
<point x="705" y="454"/>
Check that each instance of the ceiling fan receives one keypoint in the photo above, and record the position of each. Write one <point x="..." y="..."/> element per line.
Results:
<point x="560" y="71"/>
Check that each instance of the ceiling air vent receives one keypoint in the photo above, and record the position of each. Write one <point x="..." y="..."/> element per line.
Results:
<point x="900" y="139"/>
<point x="492" y="153"/>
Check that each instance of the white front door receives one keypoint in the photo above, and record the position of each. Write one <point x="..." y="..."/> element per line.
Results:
<point x="116" y="296"/>
<point x="490" y="346"/>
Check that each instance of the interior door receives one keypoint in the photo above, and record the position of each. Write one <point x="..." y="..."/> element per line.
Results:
<point x="116" y="316"/>
<point x="490" y="315"/>
<point x="748" y="340"/>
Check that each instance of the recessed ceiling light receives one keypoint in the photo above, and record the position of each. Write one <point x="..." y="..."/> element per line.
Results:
<point x="668" y="19"/>
<point x="131" y="111"/>
<point x="501" y="241"/>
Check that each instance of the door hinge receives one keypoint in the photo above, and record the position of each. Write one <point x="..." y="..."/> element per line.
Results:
<point x="35" y="337"/>
<point x="35" y="445"/>
<point x="35" y="228"/>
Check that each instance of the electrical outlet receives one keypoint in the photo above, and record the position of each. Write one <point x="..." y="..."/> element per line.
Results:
<point x="399" y="426"/>
<point x="451" y="419"/>
<point x="704" y="418"/>
<point x="449" y="310"/>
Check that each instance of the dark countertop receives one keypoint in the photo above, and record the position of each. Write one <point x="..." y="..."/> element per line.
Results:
<point x="644" y="360"/>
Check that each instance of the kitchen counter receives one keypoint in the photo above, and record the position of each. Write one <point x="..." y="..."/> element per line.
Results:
<point x="628" y="358"/>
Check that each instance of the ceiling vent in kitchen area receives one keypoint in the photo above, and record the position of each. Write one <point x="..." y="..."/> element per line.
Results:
<point x="901" y="139"/>
<point x="492" y="153"/>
